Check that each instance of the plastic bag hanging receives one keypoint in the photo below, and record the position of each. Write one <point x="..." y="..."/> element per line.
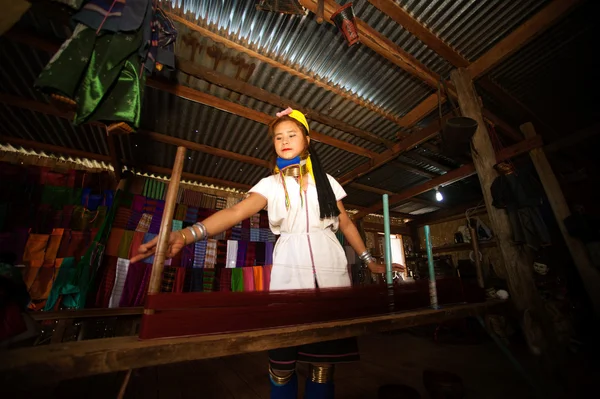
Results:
<point x="458" y="130"/>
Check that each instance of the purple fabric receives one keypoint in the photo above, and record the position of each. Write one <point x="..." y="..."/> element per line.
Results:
<point x="268" y="253"/>
<point x="133" y="281"/>
<point x="133" y="221"/>
<point x="187" y="257"/>
<point x="138" y="203"/>
<point x="241" y="254"/>
<point x="143" y="291"/>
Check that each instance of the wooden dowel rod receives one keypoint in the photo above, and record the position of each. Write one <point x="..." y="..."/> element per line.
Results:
<point x="165" y="226"/>
<point x="320" y="7"/>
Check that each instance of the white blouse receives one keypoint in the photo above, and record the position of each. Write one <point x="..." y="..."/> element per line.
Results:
<point x="307" y="249"/>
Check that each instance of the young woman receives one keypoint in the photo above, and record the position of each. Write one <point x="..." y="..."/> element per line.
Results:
<point x="305" y="208"/>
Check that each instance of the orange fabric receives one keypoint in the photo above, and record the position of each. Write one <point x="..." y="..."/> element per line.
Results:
<point x="35" y="248"/>
<point x="31" y="270"/>
<point x="53" y="245"/>
<point x="258" y="278"/>
<point x="45" y="276"/>
<point x="114" y="241"/>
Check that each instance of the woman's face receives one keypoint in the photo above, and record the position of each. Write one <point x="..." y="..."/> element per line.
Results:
<point x="288" y="139"/>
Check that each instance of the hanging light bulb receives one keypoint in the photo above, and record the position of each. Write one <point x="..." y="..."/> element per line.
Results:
<point x="438" y="196"/>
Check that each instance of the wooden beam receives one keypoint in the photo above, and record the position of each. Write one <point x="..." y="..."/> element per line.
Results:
<point x="190" y="145"/>
<point x="517" y="263"/>
<point x="378" y="227"/>
<point x="590" y="276"/>
<point x="52" y="363"/>
<point x="239" y="86"/>
<point x="531" y="28"/>
<point x="446" y="215"/>
<point x="420" y="157"/>
<point x="412" y="169"/>
<point x="215" y="102"/>
<point x="189" y="21"/>
<point x="203" y="98"/>
<point x="515" y="40"/>
<point x="161" y="138"/>
<point x="572" y="139"/>
<point x="380" y="44"/>
<point x="194" y="177"/>
<point x="404" y="19"/>
<point x="37" y="146"/>
<point x="370" y="189"/>
<point x="451" y="177"/>
<point x="505" y="128"/>
<point x="407" y="144"/>
<point x="508" y="101"/>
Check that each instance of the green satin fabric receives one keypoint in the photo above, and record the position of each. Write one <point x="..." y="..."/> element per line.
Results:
<point x="101" y="74"/>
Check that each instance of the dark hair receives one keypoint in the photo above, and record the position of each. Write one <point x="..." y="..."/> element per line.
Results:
<point x="327" y="203"/>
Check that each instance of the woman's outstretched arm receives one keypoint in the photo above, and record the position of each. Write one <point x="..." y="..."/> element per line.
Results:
<point x="214" y="224"/>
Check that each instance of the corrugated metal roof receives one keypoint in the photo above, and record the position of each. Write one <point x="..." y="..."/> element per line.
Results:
<point x="472" y="27"/>
<point x="319" y="51"/>
<point x="29" y="125"/>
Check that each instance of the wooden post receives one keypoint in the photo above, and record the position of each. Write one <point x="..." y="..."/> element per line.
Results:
<point x="517" y="262"/>
<point x="589" y="275"/>
<point x="165" y="226"/>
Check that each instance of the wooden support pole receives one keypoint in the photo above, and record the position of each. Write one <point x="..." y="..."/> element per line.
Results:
<point x="517" y="262"/>
<point x="165" y="226"/>
<point x="589" y="275"/>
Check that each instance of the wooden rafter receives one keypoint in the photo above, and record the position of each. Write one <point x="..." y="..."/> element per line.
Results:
<point x="507" y="46"/>
<point x="423" y="158"/>
<point x="248" y="113"/>
<point x="203" y="98"/>
<point x="239" y="86"/>
<point x="370" y="189"/>
<point x="381" y="45"/>
<point x="412" y="169"/>
<point x="403" y="18"/>
<point x="452" y="176"/>
<point x="508" y="101"/>
<point x="522" y="35"/>
<point x="161" y="138"/>
<point x="407" y="144"/>
<point x="37" y="146"/>
<point x="291" y="70"/>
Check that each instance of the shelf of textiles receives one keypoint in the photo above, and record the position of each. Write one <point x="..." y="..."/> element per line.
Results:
<point x="48" y="219"/>
<point x="236" y="260"/>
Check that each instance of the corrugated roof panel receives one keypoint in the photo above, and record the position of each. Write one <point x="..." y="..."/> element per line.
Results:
<point x="396" y="33"/>
<point x="29" y="125"/>
<point x="20" y="68"/>
<point x="390" y="178"/>
<point x="472" y="27"/>
<point x="360" y="197"/>
<point x="318" y="50"/>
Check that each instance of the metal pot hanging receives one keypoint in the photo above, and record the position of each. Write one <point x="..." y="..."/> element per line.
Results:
<point x="457" y="131"/>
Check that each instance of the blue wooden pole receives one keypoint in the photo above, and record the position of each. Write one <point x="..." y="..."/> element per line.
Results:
<point x="387" y="241"/>
<point x="433" y="299"/>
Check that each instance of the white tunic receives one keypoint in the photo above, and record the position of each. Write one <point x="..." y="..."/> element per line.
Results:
<point x="307" y="248"/>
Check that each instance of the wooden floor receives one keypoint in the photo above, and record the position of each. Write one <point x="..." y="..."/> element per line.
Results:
<point x="386" y="358"/>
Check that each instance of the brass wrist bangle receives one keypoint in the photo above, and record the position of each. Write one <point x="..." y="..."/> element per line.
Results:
<point x="184" y="237"/>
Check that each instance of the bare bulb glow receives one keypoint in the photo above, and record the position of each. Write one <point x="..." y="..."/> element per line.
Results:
<point x="438" y="195"/>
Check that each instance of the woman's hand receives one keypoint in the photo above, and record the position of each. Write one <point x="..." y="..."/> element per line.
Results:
<point x="376" y="267"/>
<point x="176" y="243"/>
